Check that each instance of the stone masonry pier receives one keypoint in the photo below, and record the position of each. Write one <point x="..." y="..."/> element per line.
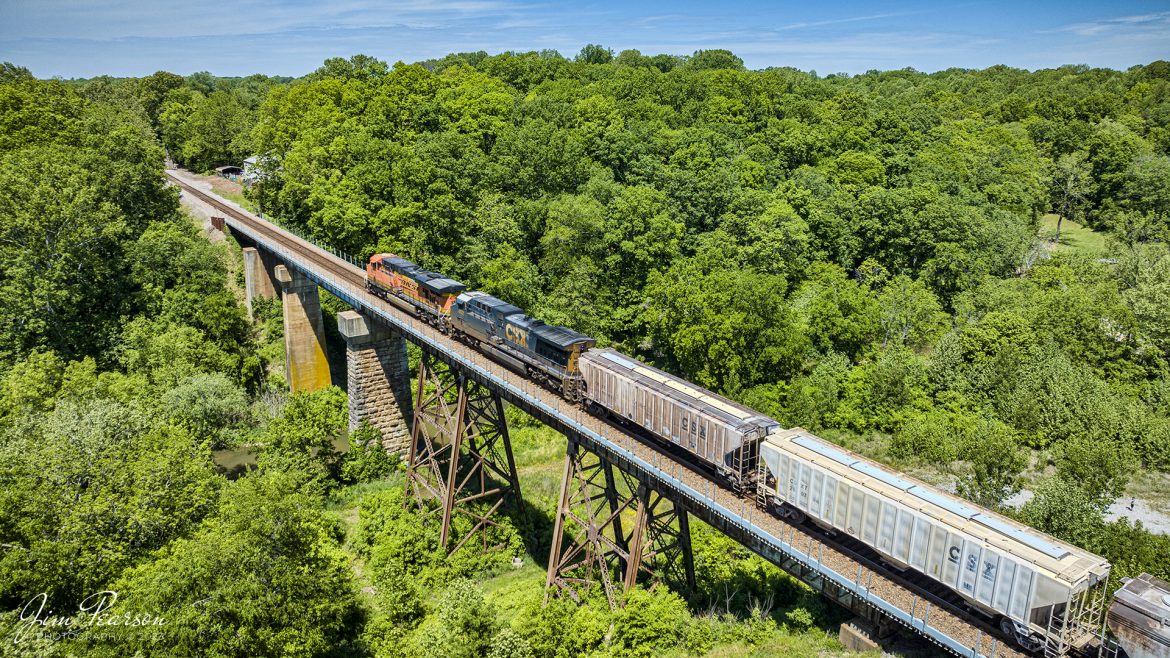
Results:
<point x="258" y="267"/>
<point x="378" y="379"/>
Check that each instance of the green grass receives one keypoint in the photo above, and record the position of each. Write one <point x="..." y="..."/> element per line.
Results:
<point x="1154" y="488"/>
<point x="349" y="498"/>
<point x="511" y="591"/>
<point x="540" y="462"/>
<point x="238" y="197"/>
<point x="782" y="643"/>
<point x="1074" y="237"/>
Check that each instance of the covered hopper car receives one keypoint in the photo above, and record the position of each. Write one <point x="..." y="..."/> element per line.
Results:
<point x="1140" y="617"/>
<point x="1015" y="574"/>
<point x="723" y="435"/>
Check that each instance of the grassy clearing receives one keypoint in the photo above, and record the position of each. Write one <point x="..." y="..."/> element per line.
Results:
<point x="239" y="198"/>
<point x="540" y="460"/>
<point x="1154" y="488"/>
<point x="514" y="590"/>
<point x="811" y="644"/>
<point x="228" y="189"/>
<point x="1073" y="237"/>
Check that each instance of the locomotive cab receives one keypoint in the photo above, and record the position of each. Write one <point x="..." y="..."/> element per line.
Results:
<point x="480" y="316"/>
<point x="439" y="291"/>
<point x="385" y="270"/>
<point x="429" y="293"/>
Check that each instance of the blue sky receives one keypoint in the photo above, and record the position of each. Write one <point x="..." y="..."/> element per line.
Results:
<point x="70" y="38"/>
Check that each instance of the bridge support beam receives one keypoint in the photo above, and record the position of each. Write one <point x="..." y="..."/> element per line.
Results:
<point x="378" y="379"/>
<point x="590" y="514"/>
<point x="859" y="636"/>
<point x="460" y="464"/>
<point x="660" y="542"/>
<point x="257" y="277"/>
<point x="305" y="364"/>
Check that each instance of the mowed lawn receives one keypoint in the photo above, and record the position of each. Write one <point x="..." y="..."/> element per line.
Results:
<point x="1073" y="237"/>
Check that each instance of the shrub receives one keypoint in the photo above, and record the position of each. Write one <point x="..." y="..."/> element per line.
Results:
<point x="366" y="459"/>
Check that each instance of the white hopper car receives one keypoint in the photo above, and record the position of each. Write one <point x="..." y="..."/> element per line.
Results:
<point x="1013" y="573"/>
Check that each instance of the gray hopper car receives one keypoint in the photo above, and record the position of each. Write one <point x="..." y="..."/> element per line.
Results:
<point x="1140" y="617"/>
<point x="721" y="433"/>
<point x="1018" y="575"/>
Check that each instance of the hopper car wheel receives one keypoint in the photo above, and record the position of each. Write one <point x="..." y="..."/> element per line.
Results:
<point x="1030" y="643"/>
<point x="1007" y="626"/>
<point x="1022" y="637"/>
<point x="786" y="511"/>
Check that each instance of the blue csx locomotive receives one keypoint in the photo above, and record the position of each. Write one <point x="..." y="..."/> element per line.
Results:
<point x="547" y="353"/>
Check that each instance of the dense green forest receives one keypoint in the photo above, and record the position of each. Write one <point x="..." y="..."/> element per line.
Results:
<point x="965" y="274"/>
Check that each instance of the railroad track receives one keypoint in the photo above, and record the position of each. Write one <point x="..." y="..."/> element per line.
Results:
<point x="926" y="609"/>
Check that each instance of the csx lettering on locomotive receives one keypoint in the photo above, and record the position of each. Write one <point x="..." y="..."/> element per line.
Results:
<point x="516" y="335"/>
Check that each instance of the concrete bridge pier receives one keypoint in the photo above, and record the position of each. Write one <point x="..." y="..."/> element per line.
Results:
<point x="378" y="379"/>
<point x="305" y="364"/>
<point x="859" y="636"/>
<point x="258" y="273"/>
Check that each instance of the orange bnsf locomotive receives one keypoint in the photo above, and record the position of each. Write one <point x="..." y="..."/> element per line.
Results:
<point x="429" y="295"/>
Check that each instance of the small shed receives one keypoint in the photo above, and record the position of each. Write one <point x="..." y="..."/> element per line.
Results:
<point x="229" y="171"/>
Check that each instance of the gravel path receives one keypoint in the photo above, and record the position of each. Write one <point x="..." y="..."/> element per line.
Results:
<point x="1152" y="519"/>
<point x="200" y="208"/>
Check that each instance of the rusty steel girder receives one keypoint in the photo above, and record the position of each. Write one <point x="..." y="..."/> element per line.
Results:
<point x="460" y="454"/>
<point x="661" y="542"/>
<point x="593" y="512"/>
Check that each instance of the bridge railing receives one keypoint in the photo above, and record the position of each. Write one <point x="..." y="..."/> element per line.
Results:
<point x="665" y="471"/>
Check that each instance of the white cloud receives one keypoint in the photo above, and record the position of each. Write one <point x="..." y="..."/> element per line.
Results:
<point x="1158" y="22"/>
<point x="840" y="21"/>
<point x="151" y="18"/>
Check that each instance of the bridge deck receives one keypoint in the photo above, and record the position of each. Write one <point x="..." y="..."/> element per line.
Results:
<point x="795" y="548"/>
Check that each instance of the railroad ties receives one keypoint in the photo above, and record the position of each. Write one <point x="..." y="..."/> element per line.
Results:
<point x="459" y="410"/>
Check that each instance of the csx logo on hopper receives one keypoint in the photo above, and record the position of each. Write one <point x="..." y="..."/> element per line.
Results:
<point x="516" y="334"/>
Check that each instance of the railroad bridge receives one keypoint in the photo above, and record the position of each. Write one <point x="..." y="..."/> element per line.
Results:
<point x="452" y="431"/>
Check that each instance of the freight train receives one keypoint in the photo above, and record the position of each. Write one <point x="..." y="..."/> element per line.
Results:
<point x="1031" y="584"/>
